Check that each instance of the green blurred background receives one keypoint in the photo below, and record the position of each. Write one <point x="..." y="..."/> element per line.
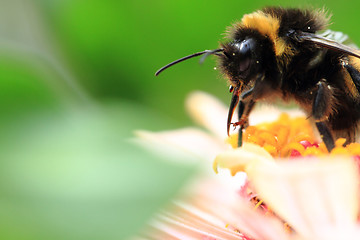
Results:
<point x="76" y="78"/>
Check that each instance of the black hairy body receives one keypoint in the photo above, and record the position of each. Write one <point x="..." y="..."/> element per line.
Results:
<point x="324" y="82"/>
<point x="287" y="54"/>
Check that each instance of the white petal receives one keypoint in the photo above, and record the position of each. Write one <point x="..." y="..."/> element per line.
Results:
<point x="209" y="112"/>
<point x="270" y="113"/>
<point x="213" y="212"/>
<point x="318" y="198"/>
<point x="240" y="159"/>
<point x="188" y="140"/>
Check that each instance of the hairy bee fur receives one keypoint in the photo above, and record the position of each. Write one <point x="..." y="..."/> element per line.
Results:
<point x="281" y="53"/>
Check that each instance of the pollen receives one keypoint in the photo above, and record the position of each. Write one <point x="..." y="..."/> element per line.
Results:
<point x="291" y="137"/>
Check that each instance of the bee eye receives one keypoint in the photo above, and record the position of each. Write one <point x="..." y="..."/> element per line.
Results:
<point x="245" y="48"/>
<point x="244" y="64"/>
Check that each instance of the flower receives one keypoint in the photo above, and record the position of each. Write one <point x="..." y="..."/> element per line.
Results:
<point x="206" y="111"/>
<point x="306" y="198"/>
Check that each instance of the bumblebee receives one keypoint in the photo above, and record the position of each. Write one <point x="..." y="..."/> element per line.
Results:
<point x="288" y="54"/>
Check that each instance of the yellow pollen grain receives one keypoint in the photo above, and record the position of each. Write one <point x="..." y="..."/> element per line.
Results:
<point x="286" y="151"/>
<point x="271" y="149"/>
<point x="354" y="149"/>
<point x="285" y="135"/>
<point x="340" y="142"/>
<point x="339" y="151"/>
<point x="312" y="151"/>
<point x="258" y="204"/>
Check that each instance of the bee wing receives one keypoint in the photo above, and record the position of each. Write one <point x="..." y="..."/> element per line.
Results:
<point x="339" y="37"/>
<point x="327" y="43"/>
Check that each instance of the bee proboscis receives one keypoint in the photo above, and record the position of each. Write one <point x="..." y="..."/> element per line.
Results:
<point x="287" y="53"/>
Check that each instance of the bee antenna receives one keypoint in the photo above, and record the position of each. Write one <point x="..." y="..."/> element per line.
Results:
<point x="215" y="52"/>
<point x="206" y="52"/>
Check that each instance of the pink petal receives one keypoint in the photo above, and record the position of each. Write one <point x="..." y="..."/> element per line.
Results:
<point x="211" y="211"/>
<point x="318" y="198"/>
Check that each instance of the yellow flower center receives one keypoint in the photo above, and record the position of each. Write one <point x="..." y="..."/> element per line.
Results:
<point x="288" y="137"/>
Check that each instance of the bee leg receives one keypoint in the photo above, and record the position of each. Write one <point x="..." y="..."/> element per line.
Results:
<point x="241" y="108"/>
<point x="321" y="110"/>
<point x="246" y="104"/>
<point x="247" y="94"/>
<point x="244" y="112"/>
<point x="322" y="105"/>
<point x="326" y="135"/>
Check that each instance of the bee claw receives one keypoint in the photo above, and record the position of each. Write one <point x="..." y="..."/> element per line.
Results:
<point x="241" y="123"/>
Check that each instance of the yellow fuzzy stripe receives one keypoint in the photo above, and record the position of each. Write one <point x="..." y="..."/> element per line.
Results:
<point x="267" y="25"/>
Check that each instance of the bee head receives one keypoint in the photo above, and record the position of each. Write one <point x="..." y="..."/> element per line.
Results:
<point x="240" y="61"/>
